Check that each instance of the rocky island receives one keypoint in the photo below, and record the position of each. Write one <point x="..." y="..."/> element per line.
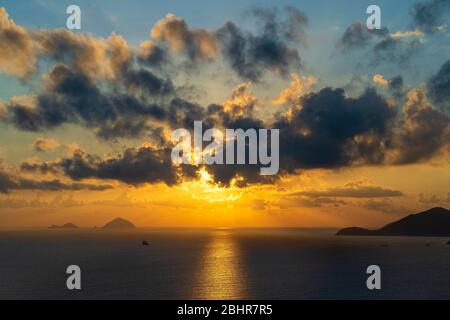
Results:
<point x="119" y="223"/>
<point x="64" y="226"/>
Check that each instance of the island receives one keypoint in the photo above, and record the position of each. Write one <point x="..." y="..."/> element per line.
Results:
<point x="434" y="222"/>
<point x="64" y="226"/>
<point x="119" y="223"/>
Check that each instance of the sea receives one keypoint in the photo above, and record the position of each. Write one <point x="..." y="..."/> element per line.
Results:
<point x="292" y="264"/>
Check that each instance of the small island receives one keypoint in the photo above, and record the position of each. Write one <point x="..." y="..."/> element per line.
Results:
<point x="64" y="226"/>
<point x="434" y="222"/>
<point x="119" y="223"/>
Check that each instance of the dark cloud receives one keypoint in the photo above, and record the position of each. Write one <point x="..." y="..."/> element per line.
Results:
<point x="153" y="55"/>
<point x="439" y="86"/>
<point x="105" y="86"/>
<point x="331" y="130"/>
<point x="358" y="36"/>
<point x="134" y="166"/>
<point x="290" y="23"/>
<point x="123" y="128"/>
<point x="352" y="191"/>
<point x="393" y="50"/>
<point x="8" y="183"/>
<point x="396" y="87"/>
<point x="182" y="113"/>
<point x="71" y="97"/>
<point x="294" y="201"/>
<point x="147" y="82"/>
<point x="250" y="55"/>
<point x="325" y="129"/>
<point x="423" y="132"/>
<point x="42" y="168"/>
<point x="429" y="15"/>
<point x="383" y="47"/>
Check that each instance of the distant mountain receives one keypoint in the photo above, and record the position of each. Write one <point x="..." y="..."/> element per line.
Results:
<point x="433" y="222"/>
<point x="64" y="226"/>
<point x="119" y="223"/>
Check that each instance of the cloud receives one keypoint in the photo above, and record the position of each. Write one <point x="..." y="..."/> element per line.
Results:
<point x="434" y="199"/>
<point x="71" y="97"/>
<point x="394" y="85"/>
<point x="423" y="133"/>
<point x="357" y="36"/>
<point x="352" y="190"/>
<point x="42" y="144"/>
<point x="439" y="86"/>
<point x="196" y="43"/>
<point x="295" y="201"/>
<point x="118" y="92"/>
<point x="383" y="46"/>
<point x="379" y="79"/>
<point x="384" y="206"/>
<point x="96" y="58"/>
<point x="124" y="128"/>
<point x="429" y="16"/>
<point x="330" y="130"/>
<point x="105" y="85"/>
<point x="152" y="54"/>
<point x="147" y="82"/>
<point x="3" y="111"/>
<point x="17" y="56"/>
<point x="290" y="24"/>
<point x="42" y="168"/>
<point x="393" y="50"/>
<point x="135" y="166"/>
<point x="405" y="34"/>
<point x="8" y="183"/>
<point x="298" y="87"/>
<point x="251" y="55"/>
<point x="242" y="101"/>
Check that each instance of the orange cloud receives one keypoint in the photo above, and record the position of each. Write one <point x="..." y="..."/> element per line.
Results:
<point x="196" y="43"/>
<point x="379" y="79"/>
<point x="43" y="144"/>
<point x="17" y="56"/>
<point x="242" y="100"/>
<point x="298" y="87"/>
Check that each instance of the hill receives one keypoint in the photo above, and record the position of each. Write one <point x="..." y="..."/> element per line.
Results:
<point x="433" y="222"/>
<point x="119" y="223"/>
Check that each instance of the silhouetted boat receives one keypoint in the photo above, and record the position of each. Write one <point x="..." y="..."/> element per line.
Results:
<point x="145" y="243"/>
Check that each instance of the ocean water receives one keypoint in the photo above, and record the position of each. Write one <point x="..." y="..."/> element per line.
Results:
<point x="220" y="264"/>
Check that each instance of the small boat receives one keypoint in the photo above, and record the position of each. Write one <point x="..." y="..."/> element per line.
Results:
<point x="145" y="243"/>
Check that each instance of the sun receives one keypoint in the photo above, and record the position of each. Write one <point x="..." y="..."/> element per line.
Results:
<point x="205" y="188"/>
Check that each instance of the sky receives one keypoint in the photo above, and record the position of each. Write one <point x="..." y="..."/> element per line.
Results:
<point x="86" y="115"/>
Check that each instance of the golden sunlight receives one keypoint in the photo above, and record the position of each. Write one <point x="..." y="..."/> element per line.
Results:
<point x="221" y="274"/>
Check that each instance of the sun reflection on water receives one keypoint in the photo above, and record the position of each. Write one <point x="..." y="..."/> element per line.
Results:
<point x="221" y="273"/>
